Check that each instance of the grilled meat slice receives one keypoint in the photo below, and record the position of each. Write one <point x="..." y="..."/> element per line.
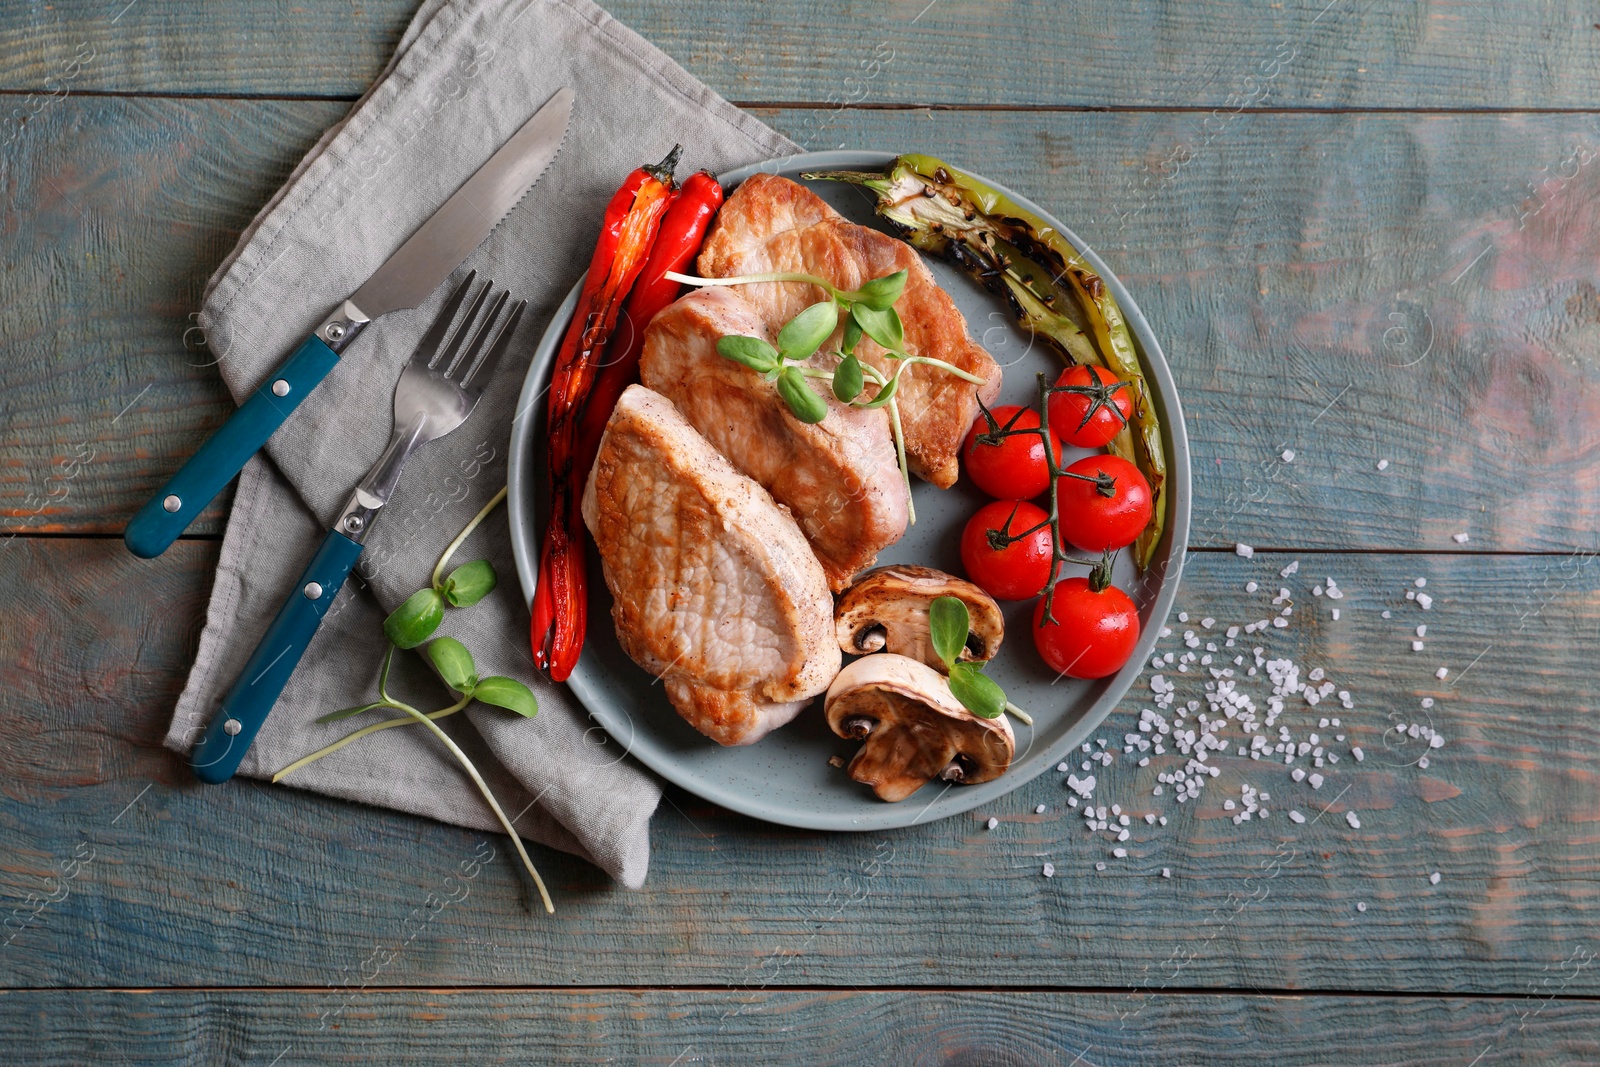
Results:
<point x="838" y="477"/>
<point x="717" y="592"/>
<point x="774" y="224"/>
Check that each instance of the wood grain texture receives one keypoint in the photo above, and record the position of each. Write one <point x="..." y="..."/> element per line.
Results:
<point x="1302" y="53"/>
<point x="182" y="884"/>
<point x="1349" y="287"/>
<point x="664" y="1028"/>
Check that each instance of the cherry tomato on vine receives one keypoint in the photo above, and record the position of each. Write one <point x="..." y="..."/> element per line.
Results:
<point x="1093" y="414"/>
<point x="1013" y="467"/>
<point x="1106" y="507"/>
<point x="1014" y="571"/>
<point x="1092" y="632"/>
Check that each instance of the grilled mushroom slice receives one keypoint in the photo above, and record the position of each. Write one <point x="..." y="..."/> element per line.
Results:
<point x="886" y="610"/>
<point x="914" y="728"/>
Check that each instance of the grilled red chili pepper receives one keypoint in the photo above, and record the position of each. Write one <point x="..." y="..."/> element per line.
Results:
<point x="627" y="233"/>
<point x="683" y="230"/>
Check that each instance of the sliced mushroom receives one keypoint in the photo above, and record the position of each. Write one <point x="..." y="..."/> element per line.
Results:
<point x="886" y="610"/>
<point x="914" y="728"/>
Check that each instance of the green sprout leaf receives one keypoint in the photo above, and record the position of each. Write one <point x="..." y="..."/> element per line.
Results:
<point x="414" y="621"/>
<point x="753" y="352"/>
<point x="507" y="693"/>
<point x="852" y="334"/>
<point x="881" y="293"/>
<point x="804" y="333"/>
<point x="847" y="379"/>
<point x="454" y="664"/>
<point x="469" y="583"/>
<point x="980" y="694"/>
<point x="803" y="400"/>
<point x="948" y="623"/>
<point x="885" y="394"/>
<point x="882" y="326"/>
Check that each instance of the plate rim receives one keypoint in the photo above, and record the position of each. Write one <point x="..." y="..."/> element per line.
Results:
<point x="891" y="816"/>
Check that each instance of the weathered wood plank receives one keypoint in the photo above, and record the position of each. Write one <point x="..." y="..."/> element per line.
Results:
<point x="72" y="1027"/>
<point x="181" y="884"/>
<point x="1353" y="288"/>
<point x="1438" y="54"/>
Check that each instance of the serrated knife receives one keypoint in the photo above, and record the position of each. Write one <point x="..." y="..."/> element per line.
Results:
<point x="405" y="280"/>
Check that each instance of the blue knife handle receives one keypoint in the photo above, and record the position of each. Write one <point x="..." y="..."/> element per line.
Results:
<point x="174" y="507"/>
<point x="217" y="756"/>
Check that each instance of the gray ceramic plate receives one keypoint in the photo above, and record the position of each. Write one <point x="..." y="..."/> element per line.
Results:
<point x="786" y="778"/>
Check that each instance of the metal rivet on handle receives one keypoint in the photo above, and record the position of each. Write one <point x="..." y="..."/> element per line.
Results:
<point x="353" y="523"/>
<point x="172" y="503"/>
<point x="335" y="331"/>
<point x="231" y="727"/>
<point x="313" y="591"/>
<point x="280" y="388"/>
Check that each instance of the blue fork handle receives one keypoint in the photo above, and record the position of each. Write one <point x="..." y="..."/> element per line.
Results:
<point x="174" y="507"/>
<point x="244" y="709"/>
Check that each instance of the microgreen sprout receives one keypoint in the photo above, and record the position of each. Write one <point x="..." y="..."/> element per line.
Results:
<point x="868" y="311"/>
<point x="407" y="627"/>
<point x="948" y="625"/>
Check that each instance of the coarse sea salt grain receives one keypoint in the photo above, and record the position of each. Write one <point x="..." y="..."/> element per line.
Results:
<point x="1100" y="866"/>
<point x="1434" y="878"/>
<point x="1383" y="464"/>
<point x="1120" y="853"/>
<point x="992" y="823"/>
<point x="1295" y="816"/>
<point x="1250" y="587"/>
<point x="1288" y="455"/>
<point x="1358" y="754"/>
<point x="1049" y="870"/>
<point x="1361" y="905"/>
<point x="1335" y="614"/>
<point x="1424" y="601"/>
<point x="1350" y="817"/>
<point x="1442" y="673"/>
<point x="1166" y="872"/>
<point x="1416" y="646"/>
<point x="1460" y="538"/>
<point x="1316" y="780"/>
<point x="1244" y="550"/>
<point x="1039" y="810"/>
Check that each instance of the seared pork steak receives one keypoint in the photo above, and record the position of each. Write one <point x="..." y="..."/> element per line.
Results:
<point x="717" y="592"/>
<point x="774" y="224"/>
<point x="838" y="477"/>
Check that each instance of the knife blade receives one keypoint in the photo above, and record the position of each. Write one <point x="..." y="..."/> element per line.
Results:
<point x="405" y="279"/>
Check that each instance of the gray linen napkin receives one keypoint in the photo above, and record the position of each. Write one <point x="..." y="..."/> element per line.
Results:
<point x="466" y="75"/>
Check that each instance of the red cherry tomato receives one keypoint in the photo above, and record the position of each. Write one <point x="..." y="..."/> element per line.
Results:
<point x="1090" y="419"/>
<point x="1018" y="570"/>
<point x="1094" y="521"/>
<point x="1014" y="468"/>
<point x="1092" y="633"/>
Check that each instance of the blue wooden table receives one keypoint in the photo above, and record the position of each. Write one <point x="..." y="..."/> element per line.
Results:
<point x="1366" y="232"/>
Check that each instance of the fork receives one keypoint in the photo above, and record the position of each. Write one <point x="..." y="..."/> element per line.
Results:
<point x="437" y="390"/>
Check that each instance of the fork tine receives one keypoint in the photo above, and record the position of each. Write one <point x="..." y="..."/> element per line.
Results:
<point x="448" y="356"/>
<point x="441" y="323"/>
<point x="473" y="347"/>
<point x="490" y="356"/>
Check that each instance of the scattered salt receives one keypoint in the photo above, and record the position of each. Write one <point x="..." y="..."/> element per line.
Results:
<point x="1166" y="872"/>
<point x="1100" y="866"/>
<point x="1358" y="754"/>
<point x="1460" y="538"/>
<point x="1383" y="464"/>
<point x="1295" y="816"/>
<point x="1361" y="905"/>
<point x="1424" y="601"/>
<point x="1288" y="455"/>
<point x="1119" y="853"/>
<point x="1442" y="673"/>
<point x="1433" y="878"/>
<point x="1350" y="817"/>
<point x="1049" y="870"/>
<point x="1416" y="646"/>
<point x="1039" y="810"/>
<point x="1244" y="550"/>
<point x="993" y="823"/>
<point x="1316" y="780"/>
